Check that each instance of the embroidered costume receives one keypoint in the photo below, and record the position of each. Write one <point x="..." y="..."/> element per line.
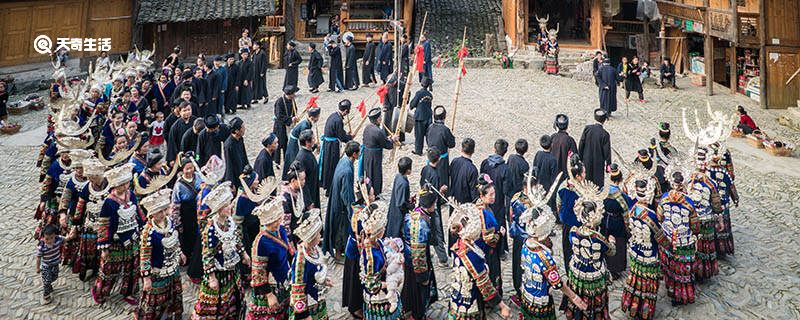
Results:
<point x="221" y="254"/>
<point x="678" y="218"/>
<point x="119" y="222"/>
<point x="270" y="267"/>
<point x="159" y="261"/>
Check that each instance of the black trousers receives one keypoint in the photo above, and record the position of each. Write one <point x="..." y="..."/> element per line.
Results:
<point x="641" y="94"/>
<point x="420" y="131"/>
<point x="566" y="247"/>
<point x="437" y="235"/>
<point x="516" y="264"/>
<point x="670" y="79"/>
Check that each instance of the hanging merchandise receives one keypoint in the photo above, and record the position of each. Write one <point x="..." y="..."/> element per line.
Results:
<point x="647" y="9"/>
<point x="610" y="8"/>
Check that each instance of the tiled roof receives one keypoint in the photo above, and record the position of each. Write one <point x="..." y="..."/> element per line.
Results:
<point x="447" y="18"/>
<point x="157" y="11"/>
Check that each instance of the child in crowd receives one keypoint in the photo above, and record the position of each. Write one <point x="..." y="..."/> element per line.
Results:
<point x="48" y="259"/>
<point x="157" y="131"/>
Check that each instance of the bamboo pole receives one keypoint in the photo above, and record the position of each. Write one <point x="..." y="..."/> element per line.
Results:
<point x="401" y="120"/>
<point x="458" y="82"/>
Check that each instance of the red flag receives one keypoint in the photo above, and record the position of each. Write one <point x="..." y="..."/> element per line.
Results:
<point x="312" y="102"/>
<point x="463" y="53"/>
<point x="439" y="61"/>
<point x="382" y="91"/>
<point x="419" y="58"/>
<point x="362" y="108"/>
<point x="463" y="69"/>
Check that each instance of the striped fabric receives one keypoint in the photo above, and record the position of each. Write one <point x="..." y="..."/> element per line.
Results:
<point x="51" y="255"/>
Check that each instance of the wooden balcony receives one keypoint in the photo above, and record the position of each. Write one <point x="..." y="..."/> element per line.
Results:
<point x="748" y="29"/>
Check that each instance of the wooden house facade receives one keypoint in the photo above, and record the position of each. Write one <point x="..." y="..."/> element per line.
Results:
<point x="22" y="21"/>
<point x="198" y="26"/>
<point x="751" y="46"/>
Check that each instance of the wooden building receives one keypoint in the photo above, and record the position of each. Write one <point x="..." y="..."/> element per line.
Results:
<point x="580" y="22"/>
<point x="198" y="26"/>
<point x="751" y="46"/>
<point x="22" y="21"/>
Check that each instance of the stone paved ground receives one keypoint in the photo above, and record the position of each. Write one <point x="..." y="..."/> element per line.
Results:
<point x="761" y="282"/>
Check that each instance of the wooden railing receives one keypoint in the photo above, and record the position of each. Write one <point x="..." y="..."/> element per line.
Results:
<point x="365" y="25"/>
<point x="748" y="28"/>
<point x="627" y="26"/>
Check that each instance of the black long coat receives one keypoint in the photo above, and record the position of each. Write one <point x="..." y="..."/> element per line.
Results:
<point x="292" y="60"/>
<point x="333" y="136"/>
<point x="232" y="92"/>
<point x="595" y="151"/>
<point x="607" y="83"/>
<point x="336" y="72"/>
<point x="315" y="78"/>
<point x="440" y="136"/>
<point x="260" y="75"/>
<point x="350" y="68"/>
<point x="375" y="140"/>
<point x="246" y="73"/>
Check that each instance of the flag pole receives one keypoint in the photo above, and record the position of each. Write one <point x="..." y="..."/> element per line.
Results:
<point x="401" y="120"/>
<point x="458" y="81"/>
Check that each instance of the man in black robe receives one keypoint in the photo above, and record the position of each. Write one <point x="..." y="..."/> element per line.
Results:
<point x="210" y="139"/>
<point x="440" y="137"/>
<point x="245" y="80"/>
<point x="214" y="88"/>
<point x="370" y="165"/>
<point x="595" y="148"/>
<point x="350" y="65"/>
<point x="390" y="108"/>
<point x="183" y="86"/>
<point x="235" y="153"/>
<point x="422" y="115"/>
<point x="368" y="63"/>
<point x="315" y="63"/>
<point x="400" y="202"/>
<point x="284" y="118"/>
<point x="260" y="73"/>
<point x="429" y="178"/>
<point x="336" y="73"/>
<point x="264" y="164"/>
<point x="232" y="91"/>
<point x="607" y="77"/>
<point x="180" y="127"/>
<point x="497" y="169"/>
<point x="200" y="86"/>
<point x="189" y="139"/>
<point x="517" y="167"/>
<point x="464" y="174"/>
<point x="405" y="54"/>
<point x="292" y="61"/>
<point x="562" y="144"/>
<point x="333" y="135"/>
<point x="293" y="146"/>
<point x="385" y="64"/>
<point x="306" y="157"/>
<point x="339" y="210"/>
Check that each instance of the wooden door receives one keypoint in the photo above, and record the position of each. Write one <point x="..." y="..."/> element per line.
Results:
<point x="781" y="64"/>
<point x="113" y="19"/>
<point x="16" y="42"/>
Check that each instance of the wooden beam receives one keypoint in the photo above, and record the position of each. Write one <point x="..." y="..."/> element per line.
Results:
<point x="762" y="56"/>
<point x="734" y="79"/>
<point x="708" y="55"/>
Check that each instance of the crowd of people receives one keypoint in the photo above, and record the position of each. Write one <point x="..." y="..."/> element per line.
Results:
<point x="135" y="193"/>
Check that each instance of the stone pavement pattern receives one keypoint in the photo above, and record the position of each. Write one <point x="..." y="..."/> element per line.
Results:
<point x="760" y="282"/>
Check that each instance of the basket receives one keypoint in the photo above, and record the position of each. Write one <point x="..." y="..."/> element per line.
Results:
<point x="755" y="141"/>
<point x="10" y="128"/>
<point x="18" y="108"/>
<point x="779" y="151"/>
